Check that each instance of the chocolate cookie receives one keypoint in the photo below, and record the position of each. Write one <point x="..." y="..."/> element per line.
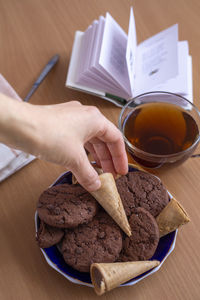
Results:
<point x="98" y="241"/>
<point x="66" y="206"/>
<point x="140" y="189"/>
<point x="141" y="245"/>
<point x="48" y="236"/>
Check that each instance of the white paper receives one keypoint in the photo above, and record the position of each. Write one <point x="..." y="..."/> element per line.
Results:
<point x="93" y="75"/>
<point x="93" y="43"/>
<point x="178" y="84"/>
<point x="89" y="86"/>
<point x="90" y="75"/>
<point x="131" y="50"/>
<point x="97" y="68"/>
<point x="74" y="67"/>
<point x="113" y="53"/>
<point x="84" y="52"/>
<point x="98" y="41"/>
<point x="7" y="155"/>
<point x="157" y="59"/>
<point x="89" y="51"/>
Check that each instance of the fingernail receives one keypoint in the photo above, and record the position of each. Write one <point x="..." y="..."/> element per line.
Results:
<point x="94" y="186"/>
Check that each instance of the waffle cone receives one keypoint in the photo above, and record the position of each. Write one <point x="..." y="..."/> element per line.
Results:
<point x="107" y="276"/>
<point x="109" y="198"/>
<point x="137" y="167"/>
<point x="171" y="217"/>
<point x="74" y="180"/>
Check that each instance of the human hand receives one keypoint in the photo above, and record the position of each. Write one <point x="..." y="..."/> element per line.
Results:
<point x="60" y="134"/>
<point x="65" y="130"/>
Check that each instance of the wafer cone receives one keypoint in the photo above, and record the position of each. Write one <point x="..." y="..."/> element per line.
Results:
<point x="171" y="217"/>
<point x="137" y="167"/>
<point x="109" y="198"/>
<point x="107" y="276"/>
<point x="74" y="180"/>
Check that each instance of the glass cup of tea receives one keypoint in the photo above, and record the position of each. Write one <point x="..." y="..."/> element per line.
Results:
<point x="160" y="129"/>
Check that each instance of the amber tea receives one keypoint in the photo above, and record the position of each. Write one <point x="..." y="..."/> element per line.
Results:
<point x="160" y="128"/>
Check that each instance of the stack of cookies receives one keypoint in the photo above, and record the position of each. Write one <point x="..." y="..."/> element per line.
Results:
<point x="112" y="232"/>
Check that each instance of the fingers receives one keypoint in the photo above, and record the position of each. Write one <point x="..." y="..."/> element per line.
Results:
<point x="115" y="147"/>
<point x="119" y="156"/>
<point x="92" y="151"/>
<point x="107" y="145"/>
<point x="104" y="156"/>
<point x="84" y="172"/>
<point x="73" y="103"/>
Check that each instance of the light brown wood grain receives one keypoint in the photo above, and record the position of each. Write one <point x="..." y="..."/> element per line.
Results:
<point x="31" y="31"/>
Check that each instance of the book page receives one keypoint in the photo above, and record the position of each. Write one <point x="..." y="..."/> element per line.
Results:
<point x="131" y="50"/>
<point x="94" y="71"/>
<point x="83" y="52"/>
<point x="91" y="72"/>
<point x="97" y="41"/>
<point x="90" y="47"/>
<point x="157" y="59"/>
<point x="178" y="84"/>
<point x="74" y="66"/>
<point x="90" y="82"/>
<point x="95" y="67"/>
<point x="113" y="53"/>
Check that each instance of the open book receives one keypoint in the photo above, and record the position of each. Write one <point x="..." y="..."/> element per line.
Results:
<point x="107" y="62"/>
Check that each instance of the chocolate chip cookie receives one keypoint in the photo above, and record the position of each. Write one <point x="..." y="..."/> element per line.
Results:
<point x="141" y="245"/>
<point x="48" y="236"/>
<point x="140" y="189"/>
<point x="66" y="206"/>
<point x="98" y="241"/>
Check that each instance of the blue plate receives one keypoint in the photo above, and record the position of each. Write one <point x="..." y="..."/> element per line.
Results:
<point x="55" y="259"/>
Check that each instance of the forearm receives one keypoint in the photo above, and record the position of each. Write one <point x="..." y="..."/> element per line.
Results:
<point x="17" y="124"/>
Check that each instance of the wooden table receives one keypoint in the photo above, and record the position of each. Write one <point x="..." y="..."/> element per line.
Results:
<point x="31" y="31"/>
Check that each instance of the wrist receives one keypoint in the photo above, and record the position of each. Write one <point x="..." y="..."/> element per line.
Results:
<point x="17" y="124"/>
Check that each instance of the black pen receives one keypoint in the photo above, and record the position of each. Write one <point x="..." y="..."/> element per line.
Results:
<point x="42" y="76"/>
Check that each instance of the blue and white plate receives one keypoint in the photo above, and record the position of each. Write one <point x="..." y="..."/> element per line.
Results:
<point x="55" y="259"/>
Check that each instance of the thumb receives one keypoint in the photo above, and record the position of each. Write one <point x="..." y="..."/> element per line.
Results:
<point x="84" y="172"/>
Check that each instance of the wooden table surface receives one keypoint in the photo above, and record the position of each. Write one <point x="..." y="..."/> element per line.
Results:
<point x="31" y="31"/>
